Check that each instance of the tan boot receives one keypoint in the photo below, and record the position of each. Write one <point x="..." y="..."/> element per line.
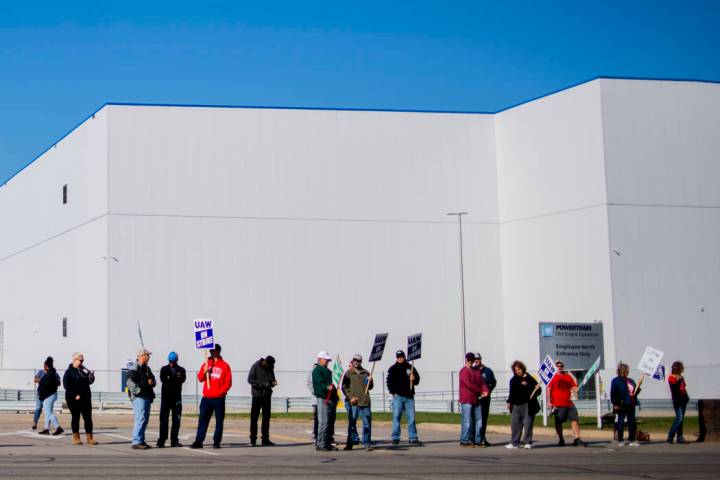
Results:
<point x="76" y="439"/>
<point x="91" y="440"/>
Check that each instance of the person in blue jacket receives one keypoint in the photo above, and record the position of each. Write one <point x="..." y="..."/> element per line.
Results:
<point x="623" y="395"/>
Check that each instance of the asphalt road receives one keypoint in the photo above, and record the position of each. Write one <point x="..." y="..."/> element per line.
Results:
<point x="24" y="454"/>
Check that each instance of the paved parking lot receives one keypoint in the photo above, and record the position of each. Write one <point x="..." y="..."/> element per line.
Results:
<point x="24" y="454"/>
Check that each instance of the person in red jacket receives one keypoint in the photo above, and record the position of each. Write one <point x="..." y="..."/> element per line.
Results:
<point x="216" y="377"/>
<point x="560" y="390"/>
<point x="472" y="388"/>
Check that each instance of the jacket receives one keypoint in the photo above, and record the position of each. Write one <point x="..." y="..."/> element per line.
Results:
<point x="488" y="377"/>
<point x="261" y="379"/>
<point x="521" y="389"/>
<point x="560" y="390"/>
<point x="77" y="381"/>
<point x="220" y="378"/>
<point x="141" y="383"/>
<point x="353" y="385"/>
<point x="471" y="385"/>
<point x="321" y="378"/>
<point x="172" y="378"/>
<point x="623" y="392"/>
<point x="398" y="379"/>
<point x="48" y="385"/>
<point x="678" y="391"/>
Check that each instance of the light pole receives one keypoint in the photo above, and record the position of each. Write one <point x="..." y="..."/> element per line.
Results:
<point x="462" y="278"/>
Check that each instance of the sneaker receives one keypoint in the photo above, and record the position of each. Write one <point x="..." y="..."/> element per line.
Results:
<point x="510" y="446"/>
<point x="34" y="427"/>
<point x="561" y="442"/>
<point x="267" y="443"/>
<point x="216" y="446"/>
<point x="58" y="431"/>
<point x="140" y="446"/>
<point x="467" y="445"/>
<point x="634" y="444"/>
<point x="528" y="446"/>
<point x="620" y="443"/>
<point x="579" y="443"/>
<point x="396" y="442"/>
<point x="44" y="432"/>
<point x="196" y="445"/>
<point x="485" y="443"/>
<point x="368" y="448"/>
<point x="416" y="443"/>
<point x="176" y="445"/>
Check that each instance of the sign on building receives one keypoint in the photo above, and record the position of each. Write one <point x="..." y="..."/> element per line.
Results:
<point x="577" y="345"/>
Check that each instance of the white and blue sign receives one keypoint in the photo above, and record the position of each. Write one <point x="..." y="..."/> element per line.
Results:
<point x="414" y="348"/>
<point x="547" y="369"/>
<point x="204" y="337"/>
<point x="659" y="373"/>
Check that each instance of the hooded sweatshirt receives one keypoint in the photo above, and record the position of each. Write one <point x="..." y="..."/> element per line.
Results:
<point x="220" y="378"/>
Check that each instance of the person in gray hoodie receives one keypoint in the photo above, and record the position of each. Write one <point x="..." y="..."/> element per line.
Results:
<point x="262" y="379"/>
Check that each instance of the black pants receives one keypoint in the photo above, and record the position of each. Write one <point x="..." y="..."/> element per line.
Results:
<point x="80" y="407"/>
<point x="168" y="405"/>
<point x="208" y="406"/>
<point x="258" y="404"/>
<point x="484" y="414"/>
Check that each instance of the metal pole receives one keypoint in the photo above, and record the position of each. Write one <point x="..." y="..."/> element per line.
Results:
<point x="462" y="280"/>
<point x="597" y="400"/>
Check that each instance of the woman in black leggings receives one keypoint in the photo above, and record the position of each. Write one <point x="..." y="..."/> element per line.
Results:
<point x="77" y="381"/>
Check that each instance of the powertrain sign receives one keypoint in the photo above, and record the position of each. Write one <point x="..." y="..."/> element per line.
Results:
<point x="577" y="345"/>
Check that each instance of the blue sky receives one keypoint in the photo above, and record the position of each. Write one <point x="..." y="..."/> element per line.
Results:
<point x="59" y="61"/>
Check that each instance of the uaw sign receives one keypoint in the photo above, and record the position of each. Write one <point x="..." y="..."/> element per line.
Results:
<point x="378" y="347"/>
<point x="577" y="345"/>
<point x="204" y="337"/>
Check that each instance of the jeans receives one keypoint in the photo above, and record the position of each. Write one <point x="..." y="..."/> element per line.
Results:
<point x="207" y="407"/>
<point x="677" y="426"/>
<point x="38" y="410"/>
<point x="470" y="423"/>
<point x="50" y="417"/>
<point x="141" y="409"/>
<point x="77" y="408"/>
<point x="260" y="404"/>
<point x="326" y="418"/>
<point x="399" y="405"/>
<point x="168" y="405"/>
<point x="521" y="420"/>
<point x="353" y="413"/>
<point x="484" y="415"/>
<point x="626" y="411"/>
<point x="315" y="423"/>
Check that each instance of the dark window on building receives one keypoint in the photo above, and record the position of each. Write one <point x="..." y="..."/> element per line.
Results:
<point x="64" y="194"/>
<point x="65" y="327"/>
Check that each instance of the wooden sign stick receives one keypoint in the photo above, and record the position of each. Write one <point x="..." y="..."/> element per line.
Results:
<point x="207" y="366"/>
<point x="372" y="370"/>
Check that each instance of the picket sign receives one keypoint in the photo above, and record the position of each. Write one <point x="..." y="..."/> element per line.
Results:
<point x="204" y="340"/>
<point x="376" y="354"/>
<point x="414" y="352"/>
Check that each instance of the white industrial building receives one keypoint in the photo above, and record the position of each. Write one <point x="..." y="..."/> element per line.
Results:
<point x="298" y="230"/>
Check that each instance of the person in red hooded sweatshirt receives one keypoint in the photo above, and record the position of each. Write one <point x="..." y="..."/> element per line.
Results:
<point x="216" y="376"/>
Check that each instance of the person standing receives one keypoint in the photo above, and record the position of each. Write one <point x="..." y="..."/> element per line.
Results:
<point x="402" y="378"/>
<point x="327" y="398"/>
<point x="47" y="393"/>
<point x="356" y="386"/>
<point x="623" y="396"/>
<point x="262" y="379"/>
<point x="489" y="379"/>
<point x="39" y="374"/>
<point x="680" y="399"/>
<point x="313" y="402"/>
<point x="216" y="377"/>
<point x="141" y="385"/>
<point x="472" y="388"/>
<point x="522" y="404"/>
<point x="77" y="381"/>
<point x="172" y="377"/>
<point x="560" y="391"/>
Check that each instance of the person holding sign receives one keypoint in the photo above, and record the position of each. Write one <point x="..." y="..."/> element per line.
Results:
<point x="327" y="398"/>
<point x="523" y="405"/>
<point x="355" y="386"/>
<point x="403" y="392"/>
<point x="623" y="396"/>
<point x="77" y="381"/>
<point x="172" y="377"/>
<point x="140" y="388"/>
<point x="680" y="399"/>
<point x="261" y="377"/>
<point x="216" y="376"/>
<point x="472" y="388"/>
<point x="560" y="391"/>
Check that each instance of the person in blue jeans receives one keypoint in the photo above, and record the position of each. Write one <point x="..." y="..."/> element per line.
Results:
<point x="38" y="403"/>
<point x="402" y="378"/>
<point x="47" y="393"/>
<point x="141" y="384"/>
<point x="680" y="399"/>
<point x="356" y="385"/>
<point x="472" y="388"/>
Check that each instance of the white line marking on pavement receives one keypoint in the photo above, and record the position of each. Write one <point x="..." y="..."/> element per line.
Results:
<point x="198" y="450"/>
<point x="116" y="436"/>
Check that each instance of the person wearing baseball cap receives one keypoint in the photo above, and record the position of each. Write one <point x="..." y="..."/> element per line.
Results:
<point x="401" y="381"/>
<point x="356" y="385"/>
<point x="327" y="398"/>
<point x="489" y="379"/>
<point x="172" y="377"/>
<point x="216" y="376"/>
<point x="261" y="377"/>
<point x="140" y="385"/>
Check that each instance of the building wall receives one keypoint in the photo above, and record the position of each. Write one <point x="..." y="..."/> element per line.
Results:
<point x="554" y="244"/>
<point x="302" y="230"/>
<point x="662" y="147"/>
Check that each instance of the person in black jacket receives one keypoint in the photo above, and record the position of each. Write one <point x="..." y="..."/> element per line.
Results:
<point x="522" y="403"/>
<point x="172" y="377"/>
<point x="47" y="393"/>
<point x="77" y="381"/>
<point x="489" y="380"/>
<point x="261" y="377"/>
<point x="623" y="396"/>
<point x="401" y="381"/>
<point x="140" y="384"/>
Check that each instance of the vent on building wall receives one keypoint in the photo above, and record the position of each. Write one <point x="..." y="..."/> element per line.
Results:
<point x="64" y="330"/>
<point x="64" y="194"/>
